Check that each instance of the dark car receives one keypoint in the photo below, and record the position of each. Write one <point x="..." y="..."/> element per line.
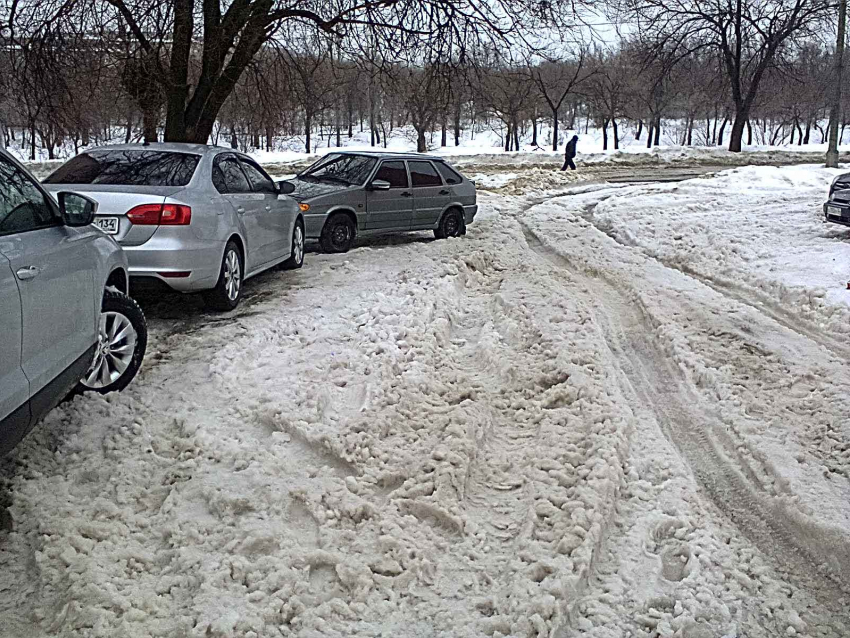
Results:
<point x="344" y="195"/>
<point x="837" y="207"/>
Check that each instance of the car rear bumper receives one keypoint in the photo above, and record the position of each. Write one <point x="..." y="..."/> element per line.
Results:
<point x="192" y="265"/>
<point x="469" y="213"/>
<point x="836" y="213"/>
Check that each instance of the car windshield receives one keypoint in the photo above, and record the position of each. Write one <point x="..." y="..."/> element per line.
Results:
<point x="341" y="168"/>
<point x="127" y="168"/>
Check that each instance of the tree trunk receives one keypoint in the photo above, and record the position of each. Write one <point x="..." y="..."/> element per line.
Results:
<point x="722" y="128"/>
<point x="128" y="132"/>
<point x="737" y="134"/>
<point x="177" y="89"/>
<point x="234" y="141"/>
<point x="516" y="136"/>
<point x="421" y="145"/>
<point x="616" y="133"/>
<point x="835" y="85"/>
<point x="150" y="121"/>
<point x="691" y="131"/>
<point x="639" y="131"/>
<point x="308" y="129"/>
<point x="554" y="129"/>
<point x="749" y="133"/>
<point x="443" y="133"/>
<point x="32" y="141"/>
<point x="605" y="134"/>
<point x="508" y="138"/>
<point x="808" y="132"/>
<point x="457" y="125"/>
<point x="657" y="130"/>
<point x="649" y="132"/>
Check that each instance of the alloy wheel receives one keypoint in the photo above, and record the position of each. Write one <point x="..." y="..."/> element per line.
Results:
<point x="116" y="344"/>
<point x="232" y="275"/>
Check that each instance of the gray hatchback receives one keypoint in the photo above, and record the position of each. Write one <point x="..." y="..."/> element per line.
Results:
<point x="347" y="194"/>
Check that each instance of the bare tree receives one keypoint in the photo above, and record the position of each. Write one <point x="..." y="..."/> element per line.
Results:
<point x="837" y="79"/>
<point x="200" y="48"/>
<point x="748" y="35"/>
<point x="557" y="79"/>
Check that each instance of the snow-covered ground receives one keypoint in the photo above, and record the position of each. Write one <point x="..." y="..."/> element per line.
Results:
<point x="578" y="420"/>
<point x="758" y="230"/>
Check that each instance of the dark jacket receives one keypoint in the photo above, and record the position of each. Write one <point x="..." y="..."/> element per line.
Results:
<point x="571" y="148"/>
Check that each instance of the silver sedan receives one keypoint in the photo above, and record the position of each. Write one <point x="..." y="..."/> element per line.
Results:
<point x="195" y="217"/>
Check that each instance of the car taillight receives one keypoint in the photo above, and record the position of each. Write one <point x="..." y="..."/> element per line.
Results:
<point x="160" y="215"/>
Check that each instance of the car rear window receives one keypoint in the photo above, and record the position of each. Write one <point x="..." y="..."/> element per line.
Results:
<point x="449" y="174"/>
<point x="127" y="168"/>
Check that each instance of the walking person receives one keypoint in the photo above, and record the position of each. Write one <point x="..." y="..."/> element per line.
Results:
<point x="570" y="154"/>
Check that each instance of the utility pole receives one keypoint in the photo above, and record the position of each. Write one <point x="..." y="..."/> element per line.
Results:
<point x="837" y="78"/>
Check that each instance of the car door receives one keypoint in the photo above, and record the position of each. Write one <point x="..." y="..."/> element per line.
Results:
<point x="430" y="195"/>
<point x="14" y="387"/>
<point x="275" y="216"/>
<point x="54" y="267"/>
<point x="393" y="208"/>
<point x="231" y="182"/>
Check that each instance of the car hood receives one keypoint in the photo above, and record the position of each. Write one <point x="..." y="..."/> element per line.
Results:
<point x="305" y="190"/>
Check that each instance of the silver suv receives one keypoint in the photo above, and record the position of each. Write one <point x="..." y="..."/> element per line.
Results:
<point x="65" y="318"/>
<point x="344" y="195"/>
<point x="191" y="216"/>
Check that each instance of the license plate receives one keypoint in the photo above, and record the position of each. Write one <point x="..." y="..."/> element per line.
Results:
<point x="109" y="225"/>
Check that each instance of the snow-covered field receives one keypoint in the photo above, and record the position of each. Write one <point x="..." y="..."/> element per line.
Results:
<point x="607" y="411"/>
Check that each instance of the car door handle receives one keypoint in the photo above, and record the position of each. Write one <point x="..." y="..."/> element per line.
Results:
<point x="444" y="192"/>
<point x="406" y="194"/>
<point x="30" y="272"/>
<point x="240" y="210"/>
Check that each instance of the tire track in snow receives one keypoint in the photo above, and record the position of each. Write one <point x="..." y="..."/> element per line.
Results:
<point x="812" y="558"/>
<point x="759" y="302"/>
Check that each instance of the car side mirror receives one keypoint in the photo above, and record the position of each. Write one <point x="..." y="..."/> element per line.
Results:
<point x="285" y="188"/>
<point x="380" y="185"/>
<point x="77" y="210"/>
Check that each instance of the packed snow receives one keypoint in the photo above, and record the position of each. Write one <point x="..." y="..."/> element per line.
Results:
<point x="582" y="418"/>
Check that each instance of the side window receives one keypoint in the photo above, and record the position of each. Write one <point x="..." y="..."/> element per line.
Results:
<point x="449" y="174"/>
<point x="424" y="174"/>
<point x="260" y="181"/>
<point x="228" y="176"/>
<point x="393" y="172"/>
<point x="23" y="207"/>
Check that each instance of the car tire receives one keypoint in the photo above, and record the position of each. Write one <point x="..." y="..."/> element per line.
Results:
<point x="228" y="289"/>
<point x="122" y="341"/>
<point x="451" y="225"/>
<point x="338" y="234"/>
<point x="296" y="259"/>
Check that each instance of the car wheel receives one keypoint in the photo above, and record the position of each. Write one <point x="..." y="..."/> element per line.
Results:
<point x="296" y="260"/>
<point x="121" y="343"/>
<point x="338" y="234"/>
<point x="451" y="225"/>
<point x="228" y="290"/>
